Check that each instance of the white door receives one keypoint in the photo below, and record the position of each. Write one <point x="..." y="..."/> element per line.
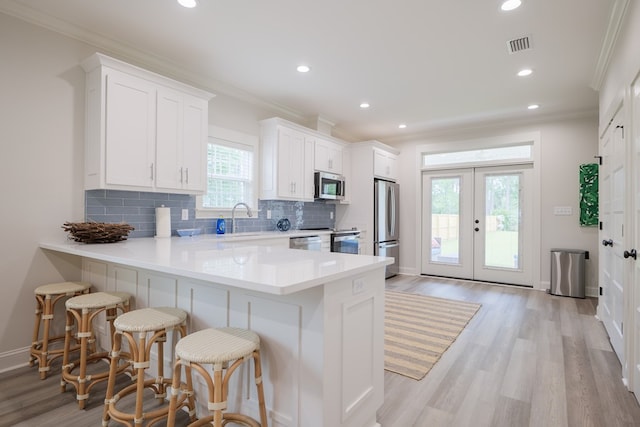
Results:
<point x="447" y="200"/>
<point x="612" y="210"/>
<point x="503" y="229"/>
<point x="477" y="224"/>
<point x="635" y="271"/>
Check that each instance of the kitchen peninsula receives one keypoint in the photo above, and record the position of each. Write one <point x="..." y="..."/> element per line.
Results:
<point x="320" y="315"/>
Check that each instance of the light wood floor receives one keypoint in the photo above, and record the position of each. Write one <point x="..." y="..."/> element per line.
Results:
<point x="525" y="359"/>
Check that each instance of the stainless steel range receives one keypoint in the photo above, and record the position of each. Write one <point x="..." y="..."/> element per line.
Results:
<point x="345" y="241"/>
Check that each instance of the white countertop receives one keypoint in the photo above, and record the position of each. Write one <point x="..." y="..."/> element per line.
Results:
<point x="228" y="261"/>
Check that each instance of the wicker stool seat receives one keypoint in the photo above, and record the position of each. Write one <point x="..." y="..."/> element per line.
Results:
<point x="135" y="326"/>
<point x="226" y="349"/>
<point x="82" y="310"/>
<point x="46" y="298"/>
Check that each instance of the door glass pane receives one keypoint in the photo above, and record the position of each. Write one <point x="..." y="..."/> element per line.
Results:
<point x="445" y="220"/>
<point x="502" y="221"/>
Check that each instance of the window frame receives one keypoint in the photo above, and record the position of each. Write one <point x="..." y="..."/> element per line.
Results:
<point x="234" y="139"/>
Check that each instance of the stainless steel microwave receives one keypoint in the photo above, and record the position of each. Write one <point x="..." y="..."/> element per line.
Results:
<point x="329" y="186"/>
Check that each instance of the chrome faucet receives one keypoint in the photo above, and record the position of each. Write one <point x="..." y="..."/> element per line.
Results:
<point x="233" y="215"/>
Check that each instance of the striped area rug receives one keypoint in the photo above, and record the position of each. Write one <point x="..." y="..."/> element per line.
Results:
<point x="418" y="329"/>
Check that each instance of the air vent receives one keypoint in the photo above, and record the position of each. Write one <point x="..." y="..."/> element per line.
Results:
<point x="519" y="44"/>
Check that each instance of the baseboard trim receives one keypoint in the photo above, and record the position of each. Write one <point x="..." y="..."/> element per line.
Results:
<point x="14" y="359"/>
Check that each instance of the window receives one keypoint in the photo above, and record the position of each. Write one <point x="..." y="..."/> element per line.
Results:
<point x="231" y="173"/>
<point x="487" y="155"/>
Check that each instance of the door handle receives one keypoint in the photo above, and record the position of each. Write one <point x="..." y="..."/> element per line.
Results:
<point x="476" y="229"/>
<point x="607" y="243"/>
<point x="630" y="254"/>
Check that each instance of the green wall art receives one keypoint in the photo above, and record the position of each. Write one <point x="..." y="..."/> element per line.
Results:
<point x="589" y="195"/>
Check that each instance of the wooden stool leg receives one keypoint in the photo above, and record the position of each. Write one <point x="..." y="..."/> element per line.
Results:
<point x="84" y="333"/>
<point x="217" y="395"/>
<point x="175" y="391"/>
<point x="44" y="351"/>
<point x="67" y="346"/>
<point x="113" y="369"/>
<point x="35" y="341"/>
<point x="258" y="375"/>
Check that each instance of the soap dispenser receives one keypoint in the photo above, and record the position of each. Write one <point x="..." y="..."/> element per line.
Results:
<point x="220" y="226"/>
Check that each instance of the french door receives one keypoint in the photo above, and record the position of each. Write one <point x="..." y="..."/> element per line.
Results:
<point x="477" y="224"/>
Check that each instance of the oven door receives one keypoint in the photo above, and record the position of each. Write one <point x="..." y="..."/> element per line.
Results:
<point x="347" y="244"/>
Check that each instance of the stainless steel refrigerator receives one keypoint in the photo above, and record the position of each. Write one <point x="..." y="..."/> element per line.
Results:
<point x="387" y="223"/>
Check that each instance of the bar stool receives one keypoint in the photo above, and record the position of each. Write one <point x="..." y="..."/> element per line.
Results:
<point x="46" y="298"/>
<point x="82" y="310"/>
<point x="226" y="349"/>
<point x="138" y="324"/>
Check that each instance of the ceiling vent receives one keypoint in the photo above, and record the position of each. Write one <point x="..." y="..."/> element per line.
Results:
<point x="519" y="44"/>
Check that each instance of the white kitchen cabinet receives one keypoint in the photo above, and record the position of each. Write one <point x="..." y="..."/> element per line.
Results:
<point x="287" y="163"/>
<point x="328" y="156"/>
<point x="180" y="153"/>
<point x="385" y="164"/>
<point x="144" y="132"/>
<point x="129" y="131"/>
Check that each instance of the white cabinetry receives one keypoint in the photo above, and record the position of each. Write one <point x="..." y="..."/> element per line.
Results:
<point x="328" y="156"/>
<point x="384" y="164"/>
<point x="369" y="160"/>
<point x="287" y="162"/>
<point x="181" y="155"/>
<point x="143" y="131"/>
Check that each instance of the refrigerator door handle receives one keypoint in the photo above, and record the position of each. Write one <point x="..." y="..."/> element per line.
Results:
<point x="393" y="211"/>
<point x="387" y="245"/>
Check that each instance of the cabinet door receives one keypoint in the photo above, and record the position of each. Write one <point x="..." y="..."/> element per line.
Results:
<point x="194" y="149"/>
<point x="384" y="164"/>
<point x="308" y="189"/>
<point x="328" y="156"/>
<point x="130" y="130"/>
<point x="181" y="141"/>
<point x="169" y="139"/>
<point x="290" y="163"/>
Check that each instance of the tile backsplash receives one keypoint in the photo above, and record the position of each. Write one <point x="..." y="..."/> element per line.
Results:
<point x="138" y="210"/>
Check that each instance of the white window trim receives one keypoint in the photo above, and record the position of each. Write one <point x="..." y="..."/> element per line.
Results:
<point x="235" y="138"/>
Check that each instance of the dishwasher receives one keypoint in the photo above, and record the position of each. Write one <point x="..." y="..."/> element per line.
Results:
<point x="308" y="243"/>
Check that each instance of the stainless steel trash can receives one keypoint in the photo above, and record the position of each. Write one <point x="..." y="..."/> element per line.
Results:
<point x="567" y="272"/>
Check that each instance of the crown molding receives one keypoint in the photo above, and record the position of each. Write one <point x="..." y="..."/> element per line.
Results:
<point x="609" y="42"/>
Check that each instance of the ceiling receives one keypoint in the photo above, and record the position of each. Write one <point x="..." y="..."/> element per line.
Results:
<point x="433" y="65"/>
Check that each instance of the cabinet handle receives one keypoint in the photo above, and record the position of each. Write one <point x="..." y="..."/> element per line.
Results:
<point x="180" y="175"/>
<point x="187" y="174"/>
<point x="151" y="177"/>
<point x="330" y="163"/>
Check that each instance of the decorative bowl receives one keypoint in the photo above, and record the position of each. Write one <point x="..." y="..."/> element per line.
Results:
<point x="188" y="232"/>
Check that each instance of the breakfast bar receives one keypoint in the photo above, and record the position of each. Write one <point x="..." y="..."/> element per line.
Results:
<point x="320" y="315"/>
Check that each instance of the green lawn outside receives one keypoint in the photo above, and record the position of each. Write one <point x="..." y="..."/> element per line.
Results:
<point x="502" y="249"/>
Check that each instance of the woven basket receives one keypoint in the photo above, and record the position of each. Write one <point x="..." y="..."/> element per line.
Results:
<point x="97" y="232"/>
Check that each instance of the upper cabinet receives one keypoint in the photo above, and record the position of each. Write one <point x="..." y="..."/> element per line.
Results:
<point x="385" y="164"/>
<point x="328" y="156"/>
<point x="287" y="162"/>
<point x="144" y="131"/>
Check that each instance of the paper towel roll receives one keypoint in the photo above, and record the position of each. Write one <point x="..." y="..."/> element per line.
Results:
<point x="163" y="222"/>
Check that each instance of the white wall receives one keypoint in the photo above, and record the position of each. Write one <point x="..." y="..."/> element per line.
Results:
<point x="625" y="63"/>
<point x="564" y="145"/>
<point x="41" y="150"/>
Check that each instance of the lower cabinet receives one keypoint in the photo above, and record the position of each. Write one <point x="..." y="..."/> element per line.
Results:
<point x="322" y="348"/>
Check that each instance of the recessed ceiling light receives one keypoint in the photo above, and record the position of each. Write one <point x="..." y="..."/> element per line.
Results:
<point x="365" y="105"/>
<point x="510" y="5"/>
<point x="188" y="3"/>
<point x="402" y="126"/>
<point x="533" y="107"/>
<point x="303" y="68"/>
<point x="525" y="72"/>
